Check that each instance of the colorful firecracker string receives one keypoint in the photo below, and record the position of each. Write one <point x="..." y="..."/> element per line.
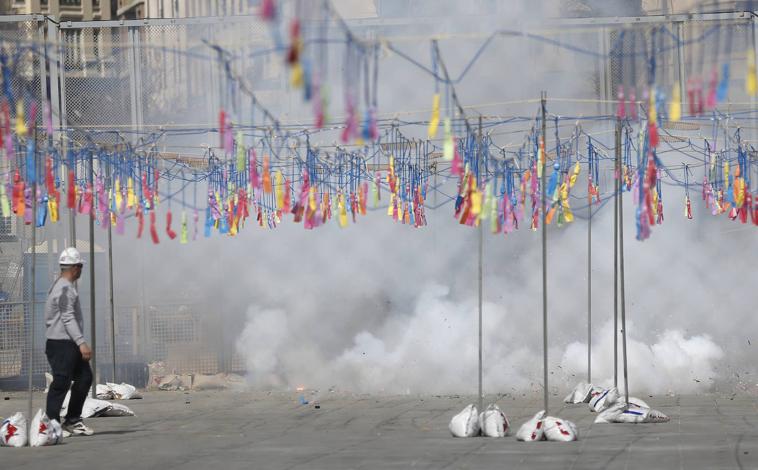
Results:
<point x="271" y="173"/>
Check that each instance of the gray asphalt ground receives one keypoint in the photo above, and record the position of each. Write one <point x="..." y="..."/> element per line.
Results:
<point x="259" y="430"/>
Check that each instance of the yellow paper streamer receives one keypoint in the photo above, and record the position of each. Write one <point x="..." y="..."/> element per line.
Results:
<point x="540" y="158"/>
<point x="568" y="216"/>
<point x="279" y="189"/>
<point x="4" y="203"/>
<point x="117" y="194"/>
<point x="739" y="191"/>
<point x="52" y="206"/>
<point x="131" y="198"/>
<point x="240" y="153"/>
<point x="434" y="122"/>
<point x="312" y="199"/>
<point x="296" y="76"/>
<point x="750" y="81"/>
<point x="574" y="175"/>
<point x="476" y="202"/>
<point x="342" y="210"/>
<point x="675" y="107"/>
<point x="183" y="238"/>
<point x="486" y="198"/>
<point x="448" y="147"/>
<point x="20" y="120"/>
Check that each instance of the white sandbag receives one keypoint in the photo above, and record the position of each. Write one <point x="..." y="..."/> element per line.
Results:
<point x="117" y="409"/>
<point x="631" y="415"/>
<point x="533" y="429"/>
<point x="493" y="422"/>
<point x="618" y="413"/>
<point x="104" y="392"/>
<point x="559" y="430"/>
<point x="465" y="423"/>
<point x="13" y="431"/>
<point x="595" y="391"/>
<point x="45" y="431"/>
<point x="608" y="415"/>
<point x="604" y="400"/>
<point x="580" y="394"/>
<point x="93" y="408"/>
<point x="123" y="391"/>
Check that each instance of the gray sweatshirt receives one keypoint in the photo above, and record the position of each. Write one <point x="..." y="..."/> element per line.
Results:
<point x="63" y="314"/>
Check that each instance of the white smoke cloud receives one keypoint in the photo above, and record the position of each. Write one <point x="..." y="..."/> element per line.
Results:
<point x="433" y="348"/>
<point x="668" y="362"/>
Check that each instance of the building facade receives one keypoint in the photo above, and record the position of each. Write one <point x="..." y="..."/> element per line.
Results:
<point x="65" y="10"/>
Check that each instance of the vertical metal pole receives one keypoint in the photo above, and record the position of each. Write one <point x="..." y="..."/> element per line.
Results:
<point x="72" y="210"/>
<point x="90" y="179"/>
<point x="64" y="123"/>
<point x="680" y="62"/>
<point x="543" y="163"/>
<point x="110" y="283"/>
<point x="589" y="291"/>
<point x="621" y="273"/>
<point x="32" y="320"/>
<point x="481" y="242"/>
<point x="616" y="190"/>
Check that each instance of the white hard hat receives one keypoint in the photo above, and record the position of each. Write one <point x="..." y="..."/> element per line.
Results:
<point x="70" y="256"/>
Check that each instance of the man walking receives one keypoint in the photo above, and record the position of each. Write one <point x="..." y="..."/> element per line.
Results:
<point x="66" y="350"/>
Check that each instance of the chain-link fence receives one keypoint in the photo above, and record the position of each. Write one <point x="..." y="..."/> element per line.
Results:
<point x="115" y="82"/>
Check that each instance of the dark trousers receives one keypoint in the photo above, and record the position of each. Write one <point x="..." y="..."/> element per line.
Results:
<point x="68" y="366"/>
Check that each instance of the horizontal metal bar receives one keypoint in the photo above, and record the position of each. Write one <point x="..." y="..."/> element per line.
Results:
<point x="629" y="20"/>
<point x="21" y="18"/>
<point x="27" y="302"/>
<point x="159" y="22"/>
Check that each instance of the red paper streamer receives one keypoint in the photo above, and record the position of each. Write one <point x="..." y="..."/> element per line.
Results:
<point x="169" y="231"/>
<point x="153" y="228"/>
